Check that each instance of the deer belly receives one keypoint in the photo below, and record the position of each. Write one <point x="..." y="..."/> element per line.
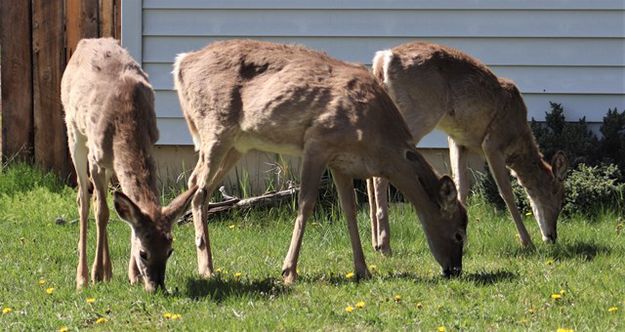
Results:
<point x="351" y="164"/>
<point x="247" y="142"/>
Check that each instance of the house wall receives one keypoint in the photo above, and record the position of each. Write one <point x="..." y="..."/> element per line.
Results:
<point x="567" y="51"/>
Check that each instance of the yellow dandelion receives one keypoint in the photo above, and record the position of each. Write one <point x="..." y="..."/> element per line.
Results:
<point x="63" y="329"/>
<point x="441" y="329"/>
<point x="42" y="281"/>
<point x="562" y="292"/>
<point x="349" y="308"/>
<point x="90" y="300"/>
<point x="167" y="315"/>
<point x="101" y="320"/>
<point x="7" y="310"/>
<point x="550" y="262"/>
<point x="613" y="309"/>
<point x="397" y="298"/>
<point x="349" y="275"/>
<point x="238" y="275"/>
<point x="373" y="267"/>
<point x="419" y="305"/>
<point x="50" y="290"/>
<point x="556" y="296"/>
<point x="360" y="304"/>
<point x="231" y="226"/>
<point x="560" y="329"/>
<point x="176" y="316"/>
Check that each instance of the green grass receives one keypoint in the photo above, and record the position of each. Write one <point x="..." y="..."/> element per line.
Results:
<point x="503" y="286"/>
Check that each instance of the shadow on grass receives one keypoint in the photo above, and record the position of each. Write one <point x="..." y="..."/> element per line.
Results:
<point x="489" y="278"/>
<point x="218" y="289"/>
<point x="585" y="251"/>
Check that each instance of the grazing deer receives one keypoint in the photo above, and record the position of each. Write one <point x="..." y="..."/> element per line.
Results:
<point x="438" y="87"/>
<point x="242" y="95"/>
<point x="111" y="127"/>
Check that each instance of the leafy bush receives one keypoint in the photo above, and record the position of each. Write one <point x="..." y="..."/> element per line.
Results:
<point x="591" y="187"/>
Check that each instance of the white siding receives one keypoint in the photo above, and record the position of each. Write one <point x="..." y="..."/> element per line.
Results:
<point x="566" y="51"/>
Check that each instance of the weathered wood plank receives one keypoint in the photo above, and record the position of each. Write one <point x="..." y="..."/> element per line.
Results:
<point x="81" y="22"/>
<point x="17" y="102"/>
<point x="50" y="138"/>
<point x="107" y="18"/>
<point x="118" y="18"/>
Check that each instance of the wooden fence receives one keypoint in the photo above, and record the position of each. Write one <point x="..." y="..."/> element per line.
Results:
<point x="37" y="39"/>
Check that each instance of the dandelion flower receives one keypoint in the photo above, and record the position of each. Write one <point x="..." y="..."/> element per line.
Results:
<point x="613" y="309"/>
<point x="397" y="298"/>
<point x="7" y="310"/>
<point x="419" y="305"/>
<point x="360" y="304"/>
<point x="556" y="296"/>
<point x="63" y="329"/>
<point x="176" y="316"/>
<point x="101" y="320"/>
<point x="231" y="226"/>
<point x="349" y="308"/>
<point x="50" y="290"/>
<point x="560" y="329"/>
<point x="237" y="275"/>
<point x="90" y="300"/>
<point x="441" y="329"/>
<point x="349" y="275"/>
<point x="562" y="292"/>
<point x="42" y="281"/>
<point x="167" y="315"/>
<point x="373" y="267"/>
<point x="550" y="262"/>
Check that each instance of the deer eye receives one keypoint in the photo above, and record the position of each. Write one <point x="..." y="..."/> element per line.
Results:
<point x="143" y="255"/>
<point x="171" y="251"/>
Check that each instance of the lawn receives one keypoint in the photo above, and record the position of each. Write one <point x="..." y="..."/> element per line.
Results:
<point x="576" y="284"/>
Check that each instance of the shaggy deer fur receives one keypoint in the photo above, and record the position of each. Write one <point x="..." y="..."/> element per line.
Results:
<point x="242" y="95"/>
<point x="111" y="127"/>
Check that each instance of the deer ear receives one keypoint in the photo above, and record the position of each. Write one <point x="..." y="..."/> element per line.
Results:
<point x="559" y="165"/>
<point x="447" y="194"/>
<point x="127" y="210"/>
<point x="178" y="206"/>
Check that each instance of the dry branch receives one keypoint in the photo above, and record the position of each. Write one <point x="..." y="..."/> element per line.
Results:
<point x="232" y="203"/>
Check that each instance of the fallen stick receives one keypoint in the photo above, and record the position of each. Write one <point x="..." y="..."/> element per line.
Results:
<point x="234" y="203"/>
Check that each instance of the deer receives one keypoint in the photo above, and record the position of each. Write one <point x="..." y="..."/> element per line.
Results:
<point x="435" y="86"/>
<point x="242" y="95"/>
<point x="111" y="129"/>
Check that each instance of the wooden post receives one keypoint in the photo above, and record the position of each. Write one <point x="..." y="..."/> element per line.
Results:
<point x="50" y="138"/>
<point x="107" y="18"/>
<point x="81" y="22"/>
<point x="17" y="100"/>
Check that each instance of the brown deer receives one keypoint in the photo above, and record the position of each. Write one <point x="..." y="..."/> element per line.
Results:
<point x="435" y="86"/>
<point x="241" y="95"/>
<point x="111" y="128"/>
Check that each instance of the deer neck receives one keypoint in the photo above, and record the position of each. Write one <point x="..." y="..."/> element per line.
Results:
<point x="135" y="170"/>
<point x="529" y="167"/>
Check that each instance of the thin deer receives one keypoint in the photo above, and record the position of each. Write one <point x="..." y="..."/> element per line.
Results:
<point x="111" y="128"/>
<point x="435" y="86"/>
<point x="243" y="95"/>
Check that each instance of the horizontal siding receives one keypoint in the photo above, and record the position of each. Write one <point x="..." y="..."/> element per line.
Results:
<point x="386" y="4"/>
<point x="530" y="79"/>
<point x="567" y="51"/>
<point x="388" y="23"/>
<point x="492" y="51"/>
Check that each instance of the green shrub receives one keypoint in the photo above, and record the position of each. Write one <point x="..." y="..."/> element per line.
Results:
<point x="590" y="187"/>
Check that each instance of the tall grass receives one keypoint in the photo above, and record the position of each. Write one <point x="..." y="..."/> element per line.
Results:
<point x="503" y="286"/>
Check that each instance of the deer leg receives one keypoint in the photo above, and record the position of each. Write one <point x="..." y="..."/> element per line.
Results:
<point x="79" y="152"/>
<point x="345" y="188"/>
<point x="313" y="165"/>
<point x="372" y="213"/>
<point x="498" y="168"/>
<point x="380" y="186"/>
<point x="458" y="158"/>
<point x="207" y="175"/>
<point x="98" y="176"/>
